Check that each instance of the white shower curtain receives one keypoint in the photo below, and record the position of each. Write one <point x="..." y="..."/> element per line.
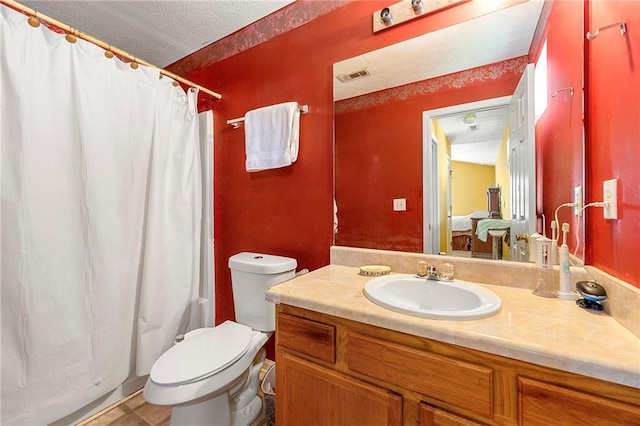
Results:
<point x="100" y="220"/>
<point x="171" y="266"/>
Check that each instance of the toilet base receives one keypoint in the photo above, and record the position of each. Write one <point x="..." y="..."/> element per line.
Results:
<point x="212" y="411"/>
<point x="238" y="406"/>
<point x="248" y="414"/>
<point x="215" y="412"/>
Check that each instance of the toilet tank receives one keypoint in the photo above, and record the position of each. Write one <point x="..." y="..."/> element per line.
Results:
<point x="251" y="275"/>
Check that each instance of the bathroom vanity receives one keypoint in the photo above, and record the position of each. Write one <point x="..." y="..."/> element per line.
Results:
<point x="342" y="360"/>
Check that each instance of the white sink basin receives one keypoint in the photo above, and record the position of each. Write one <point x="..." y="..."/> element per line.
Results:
<point x="447" y="300"/>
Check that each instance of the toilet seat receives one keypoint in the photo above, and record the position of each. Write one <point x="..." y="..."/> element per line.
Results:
<point x="203" y="354"/>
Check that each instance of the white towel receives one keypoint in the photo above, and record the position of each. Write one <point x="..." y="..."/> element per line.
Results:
<point x="272" y="136"/>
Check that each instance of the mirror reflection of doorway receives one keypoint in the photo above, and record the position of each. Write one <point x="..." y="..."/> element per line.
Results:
<point x="469" y="139"/>
<point x="509" y="152"/>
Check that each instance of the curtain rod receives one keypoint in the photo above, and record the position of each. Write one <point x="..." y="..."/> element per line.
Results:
<point x="39" y="16"/>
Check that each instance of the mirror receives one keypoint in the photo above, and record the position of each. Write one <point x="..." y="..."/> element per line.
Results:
<point x="407" y="119"/>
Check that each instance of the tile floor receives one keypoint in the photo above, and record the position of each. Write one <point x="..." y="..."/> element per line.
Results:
<point x="135" y="411"/>
<point x="132" y="411"/>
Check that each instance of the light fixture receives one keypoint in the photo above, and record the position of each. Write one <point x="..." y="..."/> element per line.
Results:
<point x="470" y="118"/>
<point x="406" y="10"/>
<point x="385" y="15"/>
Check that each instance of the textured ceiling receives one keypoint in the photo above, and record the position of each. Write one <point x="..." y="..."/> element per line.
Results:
<point x="157" y="31"/>
<point x="479" y="143"/>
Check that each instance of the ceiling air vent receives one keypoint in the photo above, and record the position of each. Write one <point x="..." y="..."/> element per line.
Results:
<point x="353" y="75"/>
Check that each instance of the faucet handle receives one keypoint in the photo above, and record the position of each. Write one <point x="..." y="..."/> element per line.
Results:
<point x="447" y="271"/>
<point x="422" y="269"/>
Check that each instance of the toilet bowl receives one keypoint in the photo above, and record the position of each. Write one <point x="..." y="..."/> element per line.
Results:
<point x="202" y="376"/>
<point x="211" y="377"/>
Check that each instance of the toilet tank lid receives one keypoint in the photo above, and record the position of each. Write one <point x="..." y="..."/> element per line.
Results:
<point x="259" y="263"/>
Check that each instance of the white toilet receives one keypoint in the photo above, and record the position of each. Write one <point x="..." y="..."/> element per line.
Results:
<point x="211" y="377"/>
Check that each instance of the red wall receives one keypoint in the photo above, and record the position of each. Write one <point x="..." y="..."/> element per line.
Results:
<point x="379" y="158"/>
<point x="288" y="211"/>
<point x="613" y="138"/>
<point x="559" y="132"/>
<point x="611" y="124"/>
<point x="379" y="155"/>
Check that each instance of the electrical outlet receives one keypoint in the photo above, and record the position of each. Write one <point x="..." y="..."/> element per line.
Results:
<point x="577" y="200"/>
<point x="610" y="191"/>
<point x="399" y="204"/>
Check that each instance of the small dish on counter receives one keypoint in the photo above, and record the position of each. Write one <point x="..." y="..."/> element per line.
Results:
<point x="374" y="270"/>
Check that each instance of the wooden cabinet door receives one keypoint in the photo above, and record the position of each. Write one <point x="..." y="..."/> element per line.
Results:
<point x="547" y="404"/>
<point x="460" y="383"/>
<point x="310" y="395"/>
<point x="432" y="416"/>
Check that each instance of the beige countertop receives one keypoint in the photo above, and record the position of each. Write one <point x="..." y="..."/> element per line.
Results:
<point x="549" y="332"/>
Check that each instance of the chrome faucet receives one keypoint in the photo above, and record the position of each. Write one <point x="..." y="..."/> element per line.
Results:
<point x="432" y="274"/>
<point x="427" y="271"/>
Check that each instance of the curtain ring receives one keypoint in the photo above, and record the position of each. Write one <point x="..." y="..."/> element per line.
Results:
<point x="34" y="21"/>
<point x="134" y="64"/>
<point x="71" y="38"/>
<point x="108" y="53"/>
<point x="175" y="83"/>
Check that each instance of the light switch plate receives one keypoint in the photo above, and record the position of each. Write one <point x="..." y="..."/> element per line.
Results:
<point x="610" y="191"/>
<point x="399" y="204"/>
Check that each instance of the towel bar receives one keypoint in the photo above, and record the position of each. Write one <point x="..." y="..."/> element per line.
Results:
<point x="621" y="24"/>
<point x="236" y="123"/>
<point x="557" y="92"/>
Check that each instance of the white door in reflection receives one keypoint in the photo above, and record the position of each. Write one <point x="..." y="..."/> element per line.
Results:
<point x="522" y="164"/>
